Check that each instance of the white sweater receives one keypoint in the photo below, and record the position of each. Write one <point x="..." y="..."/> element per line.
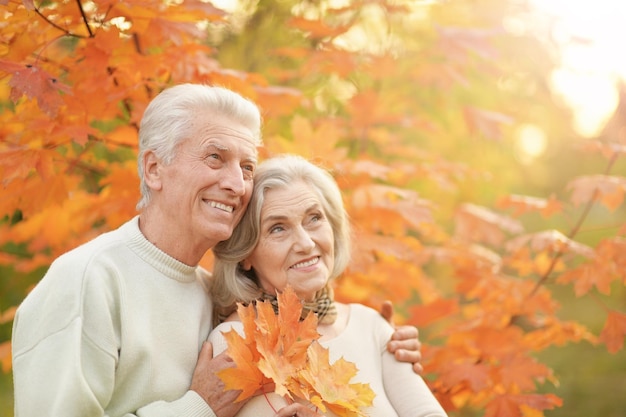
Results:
<point x="399" y="391"/>
<point x="113" y="329"/>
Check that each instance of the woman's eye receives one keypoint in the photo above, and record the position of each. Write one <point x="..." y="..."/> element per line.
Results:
<point x="277" y="228"/>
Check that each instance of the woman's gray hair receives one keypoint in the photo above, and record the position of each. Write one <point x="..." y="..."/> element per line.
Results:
<point x="173" y="115"/>
<point x="231" y="283"/>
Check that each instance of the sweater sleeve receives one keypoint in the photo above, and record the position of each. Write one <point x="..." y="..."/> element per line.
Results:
<point x="66" y="352"/>
<point x="50" y="379"/>
<point x="407" y="391"/>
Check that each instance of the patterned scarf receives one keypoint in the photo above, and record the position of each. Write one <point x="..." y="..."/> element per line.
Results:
<point x="323" y="306"/>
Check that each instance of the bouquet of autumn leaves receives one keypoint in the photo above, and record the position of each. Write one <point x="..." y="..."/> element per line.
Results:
<point x="283" y="349"/>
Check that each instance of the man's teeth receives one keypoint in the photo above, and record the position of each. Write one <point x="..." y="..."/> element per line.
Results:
<point x="305" y="264"/>
<point x="222" y="206"/>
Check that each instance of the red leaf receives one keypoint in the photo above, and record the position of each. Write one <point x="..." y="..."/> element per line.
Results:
<point x="35" y="83"/>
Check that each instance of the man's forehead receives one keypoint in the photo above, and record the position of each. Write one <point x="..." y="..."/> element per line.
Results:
<point x="224" y="130"/>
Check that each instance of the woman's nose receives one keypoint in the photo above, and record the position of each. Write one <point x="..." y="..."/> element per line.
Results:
<point x="303" y="240"/>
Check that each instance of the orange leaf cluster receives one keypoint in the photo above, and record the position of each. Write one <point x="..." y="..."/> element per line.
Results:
<point x="284" y="350"/>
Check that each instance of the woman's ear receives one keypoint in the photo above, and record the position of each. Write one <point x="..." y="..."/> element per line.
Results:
<point x="246" y="265"/>
<point x="151" y="170"/>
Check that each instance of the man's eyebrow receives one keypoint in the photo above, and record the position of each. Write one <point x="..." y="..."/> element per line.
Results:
<point x="218" y="146"/>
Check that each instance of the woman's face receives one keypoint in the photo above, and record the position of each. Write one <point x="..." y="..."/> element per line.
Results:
<point x="296" y="245"/>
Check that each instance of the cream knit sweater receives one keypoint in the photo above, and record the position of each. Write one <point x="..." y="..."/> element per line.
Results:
<point x="113" y="329"/>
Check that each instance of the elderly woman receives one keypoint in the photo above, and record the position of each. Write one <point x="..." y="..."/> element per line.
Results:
<point x="296" y="233"/>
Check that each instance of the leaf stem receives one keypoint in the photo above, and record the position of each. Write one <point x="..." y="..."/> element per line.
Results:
<point x="268" y="401"/>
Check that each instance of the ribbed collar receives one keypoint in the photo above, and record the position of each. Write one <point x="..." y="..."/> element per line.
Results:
<point x="154" y="256"/>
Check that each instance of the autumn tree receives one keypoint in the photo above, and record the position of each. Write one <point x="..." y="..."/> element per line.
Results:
<point x="414" y="106"/>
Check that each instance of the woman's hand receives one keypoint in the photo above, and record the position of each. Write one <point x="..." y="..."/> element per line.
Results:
<point x="297" y="410"/>
<point x="404" y="343"/>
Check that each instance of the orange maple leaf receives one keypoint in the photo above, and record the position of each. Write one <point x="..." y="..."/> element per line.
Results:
<point x="317" y="29"/>
<point x="34" y="82"/>
<point x="283" y="339"/>
<point x="283" y="349"/>
<point x="474" y="374"/>
<point x="245" y="376"/>
<point x="510" y="405"/>
<point x="585" y="277"/>
<point x="480" y="224"/>
<point x="614" y="331"/>
<point x="425" y="314"/>
<point x="5" y="356"/>
<point x="522" y="371"/>
<point x="524" y="204"/>
<point x="331" y="384"/>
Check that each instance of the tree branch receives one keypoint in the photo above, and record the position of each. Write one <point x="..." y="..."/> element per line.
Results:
<point x="575" y="229"/>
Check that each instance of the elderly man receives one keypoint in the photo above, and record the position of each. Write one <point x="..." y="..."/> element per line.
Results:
<point x="117" y="326"/>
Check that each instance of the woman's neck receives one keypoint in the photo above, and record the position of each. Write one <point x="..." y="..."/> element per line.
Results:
<point x="330" y="331"/>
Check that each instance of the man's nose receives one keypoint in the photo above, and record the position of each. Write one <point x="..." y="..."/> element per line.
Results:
<point x="233" y="179"/>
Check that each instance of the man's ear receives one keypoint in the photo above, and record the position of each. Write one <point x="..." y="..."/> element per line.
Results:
<point x="152" y="170"/>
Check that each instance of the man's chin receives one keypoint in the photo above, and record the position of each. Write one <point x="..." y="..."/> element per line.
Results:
<point x="223" y="233"/>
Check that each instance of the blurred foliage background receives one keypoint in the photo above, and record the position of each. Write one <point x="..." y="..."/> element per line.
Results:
<point x="467" y="100"/>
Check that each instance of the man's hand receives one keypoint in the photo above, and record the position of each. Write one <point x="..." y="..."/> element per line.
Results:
<point x="404" y="343"/>
<point x="210" y="387"/>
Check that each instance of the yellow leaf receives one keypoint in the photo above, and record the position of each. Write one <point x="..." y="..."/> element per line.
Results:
<point x="332" y="384"/>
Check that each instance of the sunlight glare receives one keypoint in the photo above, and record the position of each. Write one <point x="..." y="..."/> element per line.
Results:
<point x="591" y="35"/>
<point x="226" y="5"/>
<point x="530" y="143"/>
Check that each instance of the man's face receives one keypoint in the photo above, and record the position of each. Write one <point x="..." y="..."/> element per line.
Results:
<point x="206" y="188"/>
